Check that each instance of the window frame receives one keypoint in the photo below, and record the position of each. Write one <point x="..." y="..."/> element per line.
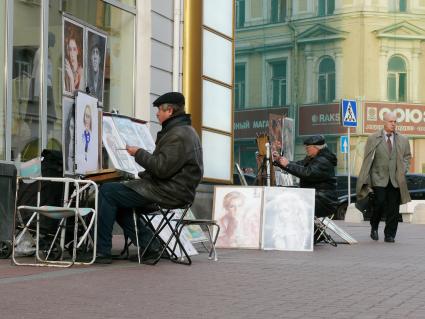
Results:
<point x="240" y="88"/>
<point x="328" y="78"/>
<point x="394" y="76"/>
<point x="283" y="82"/>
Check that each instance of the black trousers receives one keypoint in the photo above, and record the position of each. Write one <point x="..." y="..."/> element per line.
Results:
<point x="386" y="203"/>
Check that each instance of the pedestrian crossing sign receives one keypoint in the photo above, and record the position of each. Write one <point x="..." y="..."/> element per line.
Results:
<point x="349" y="113"/>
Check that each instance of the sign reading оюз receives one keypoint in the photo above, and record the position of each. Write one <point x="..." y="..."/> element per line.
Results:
<point x="410" y="117"/>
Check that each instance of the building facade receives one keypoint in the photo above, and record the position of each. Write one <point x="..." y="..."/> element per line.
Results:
<point x="300" y="58"/>
<point x="144" y="58"/>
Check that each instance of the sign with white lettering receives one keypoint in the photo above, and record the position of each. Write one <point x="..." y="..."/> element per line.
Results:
<point x="320" y="119"/>
<point x="410" y="117"/>
<point x="248" y="123"/>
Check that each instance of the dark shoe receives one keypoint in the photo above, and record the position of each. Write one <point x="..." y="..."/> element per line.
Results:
<point x="389" y="239"/>
<point x="374" y="234"/>
<point x="149" y="255"/>
<point x="103" y="259"/>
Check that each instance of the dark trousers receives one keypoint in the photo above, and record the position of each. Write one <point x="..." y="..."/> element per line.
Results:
<point x="116" y="203"/>
<point x="386" y="202"/>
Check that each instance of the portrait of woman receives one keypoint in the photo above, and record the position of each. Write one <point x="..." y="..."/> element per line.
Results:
<point x="238" y="212"/>
<point x="86" y="133"/>
<point x="96" y="64"/>
<point x="68" y="134"/>
<point x="73" y="62"/>
<point x="86" y="136"/>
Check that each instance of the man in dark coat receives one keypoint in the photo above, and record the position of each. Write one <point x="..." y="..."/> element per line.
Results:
<point x="316" y="170"/>
<point x="171" y="174"/>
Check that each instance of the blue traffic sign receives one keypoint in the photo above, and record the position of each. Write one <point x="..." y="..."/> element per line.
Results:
<point x="349" y="113"/>
<point x="344" y="144"/>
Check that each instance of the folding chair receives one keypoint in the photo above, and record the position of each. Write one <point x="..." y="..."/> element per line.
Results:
<point x="167" y="222"/>
<point x="206" y="225"/>
<point x="320" y="233"/>
<point x="70" y="209"/>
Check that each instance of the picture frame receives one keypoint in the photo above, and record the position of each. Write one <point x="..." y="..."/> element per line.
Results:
<point x="238" y="213"/>
<point x="68" y="135"/>
<point x="95" y="61"/>
<point x="288" y="219"/>
<point x="86" y="133"/>
<point x="73" y="57"/>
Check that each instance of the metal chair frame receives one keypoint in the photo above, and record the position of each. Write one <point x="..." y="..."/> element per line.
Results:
<point x="208" y="224"/>
<point x="62" y="214"/>
<point x="321" y="233"/>
<point x="167" y="217"/>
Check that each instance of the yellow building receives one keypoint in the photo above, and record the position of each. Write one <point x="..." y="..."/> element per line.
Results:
<point x="300" y="58"/>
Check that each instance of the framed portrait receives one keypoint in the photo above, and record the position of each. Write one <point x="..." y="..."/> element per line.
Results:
<point x="288" y="219"/>
<point x="95" y="57"/>
<point x="73" y="57"/>
<point x="275" y="132"/>
<point x="238" y="212"/>
<point x="68" y="135"/>
<point x="86" y="133"/>
<point x="288" y="137"/>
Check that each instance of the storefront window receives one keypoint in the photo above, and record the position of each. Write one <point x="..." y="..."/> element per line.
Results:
<point x="119" y="25"/>
<point x="2" y="81"/>
<point x="25" y="80"/>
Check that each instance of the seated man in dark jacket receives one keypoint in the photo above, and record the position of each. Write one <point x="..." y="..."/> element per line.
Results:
<point x="172" y="174"/>
<point x="316" y="170"/>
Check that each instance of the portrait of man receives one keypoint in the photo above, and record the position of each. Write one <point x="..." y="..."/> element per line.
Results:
<point x="73" y="57"/>
<point x="96" y="44"/>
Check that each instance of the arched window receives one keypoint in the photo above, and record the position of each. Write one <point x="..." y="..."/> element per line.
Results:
<point x="326" y="81"/>
<point x="396" y="79"/>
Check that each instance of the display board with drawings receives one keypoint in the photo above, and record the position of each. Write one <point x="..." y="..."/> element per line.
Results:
<point x="119" y="131"/>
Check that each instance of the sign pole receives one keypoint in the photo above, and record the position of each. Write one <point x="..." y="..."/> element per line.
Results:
<point x="349" y="167"/>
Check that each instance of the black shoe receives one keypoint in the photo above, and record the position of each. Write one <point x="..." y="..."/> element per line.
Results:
<point x="389" y="239"/>
<point x="103" y="259"/>
<point x="374" y="234"/>
<point x="149" y="255"/>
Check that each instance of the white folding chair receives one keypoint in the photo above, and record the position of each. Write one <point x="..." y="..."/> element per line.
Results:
<point x="84" y="218"/>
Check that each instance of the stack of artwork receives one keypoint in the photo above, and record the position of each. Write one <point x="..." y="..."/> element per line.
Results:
<point x="270" y="218"/>
<point x="119" y="131"/>
<point x="83" y="65"/>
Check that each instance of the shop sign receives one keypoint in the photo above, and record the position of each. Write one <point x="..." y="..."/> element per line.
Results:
<point x="320" y="119"/>
<point x="410" y="117"/>
<point x="248" y="123"/>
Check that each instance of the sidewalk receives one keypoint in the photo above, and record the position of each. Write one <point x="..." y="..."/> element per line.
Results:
<point x="367" y="280"/>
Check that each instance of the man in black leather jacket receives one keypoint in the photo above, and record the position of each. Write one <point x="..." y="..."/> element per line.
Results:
<point x="172" y="174"/>
<point x="316" y="170"/>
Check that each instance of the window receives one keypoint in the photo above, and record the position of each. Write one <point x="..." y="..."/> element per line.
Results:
<point x="277" y="83"/>
<point x="277" y="11"/>
<point x="240" y="13"/>
<point x="326" y="81"/>
<point x="326" y="7"/>
<point x="402" y="5"/>
<point x="396" y="80"/>
<point x="239" y="86"/>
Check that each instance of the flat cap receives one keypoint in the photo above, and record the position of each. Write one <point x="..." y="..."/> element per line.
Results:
<point x="170" y="97"/>
<point x="315" y="140"/>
